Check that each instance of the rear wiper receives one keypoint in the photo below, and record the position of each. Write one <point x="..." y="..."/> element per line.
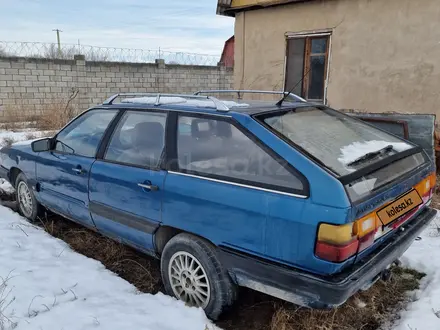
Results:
<point x="371" y="155"/>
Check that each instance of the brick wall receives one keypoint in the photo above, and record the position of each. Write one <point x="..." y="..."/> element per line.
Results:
<point x="32" y="84"/>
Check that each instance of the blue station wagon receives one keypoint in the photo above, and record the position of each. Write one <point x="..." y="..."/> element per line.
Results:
<point x="293" y="199"/>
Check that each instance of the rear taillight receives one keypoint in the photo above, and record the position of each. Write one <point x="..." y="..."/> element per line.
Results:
<point x="425" y="187"/>
<point x="336" y="253"/>
<point x="339" y="243"/>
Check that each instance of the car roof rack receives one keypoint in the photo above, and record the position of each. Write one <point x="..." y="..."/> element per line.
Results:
<point x="244" y="91"/>
<point x="219" y="105"/>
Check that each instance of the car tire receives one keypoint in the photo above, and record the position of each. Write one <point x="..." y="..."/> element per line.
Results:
<point x="190" y="261"/>
<point x="27" y="204"/>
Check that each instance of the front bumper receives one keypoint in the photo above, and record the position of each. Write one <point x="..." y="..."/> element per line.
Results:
<point x="310" y="290"/>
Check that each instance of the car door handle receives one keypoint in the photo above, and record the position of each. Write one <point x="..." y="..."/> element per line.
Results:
<point x="77" y="170"/>
<point x="151" y="187"/>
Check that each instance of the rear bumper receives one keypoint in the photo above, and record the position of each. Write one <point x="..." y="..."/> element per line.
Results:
<point x="317" y="291"/>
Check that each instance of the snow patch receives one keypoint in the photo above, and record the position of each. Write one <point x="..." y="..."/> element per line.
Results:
<point x="21" y="136"/>
<point x="358" y="149"/>
<point x="48" y="286"/>
<point x="6" y="187"/>
<point x="180" y="100"/>
<point x="424" y="255"/>
<point x="25" y="142"/>
<point x="359" y="303"/>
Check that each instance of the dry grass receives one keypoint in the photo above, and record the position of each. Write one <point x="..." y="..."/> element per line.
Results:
<point x="16" y="117"/>
<point x="57" y="112"/>
<point x="31" y="136"/>
<point x="5" y="301"/>
<point x="55" y="116"/>
<point x="367" y="310"/>
<point x="7" y="141"/>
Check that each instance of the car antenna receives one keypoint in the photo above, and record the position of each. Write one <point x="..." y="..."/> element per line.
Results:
<point x="280" y="102"/>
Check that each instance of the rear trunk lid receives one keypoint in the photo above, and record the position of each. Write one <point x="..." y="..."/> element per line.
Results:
<point x="383" y="173"/>
<point x="405" y="191"/>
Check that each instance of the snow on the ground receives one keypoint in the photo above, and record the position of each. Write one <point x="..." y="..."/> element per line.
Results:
<point x="22" y="135"/>
<point x="49" y="286"/>
<point x="358" y="149"/>
<point x="6" y="187"/>
<point x="424" y="255"/>
<point x="15" y="136"/>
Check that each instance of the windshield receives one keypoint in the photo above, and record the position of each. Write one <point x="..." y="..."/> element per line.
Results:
<point x="340" y="142"/>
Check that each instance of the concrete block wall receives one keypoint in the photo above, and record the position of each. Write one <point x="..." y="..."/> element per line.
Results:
<point x="30" y="85"/>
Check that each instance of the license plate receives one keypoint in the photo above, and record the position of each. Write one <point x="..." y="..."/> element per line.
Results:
<point x="399" y="207"/>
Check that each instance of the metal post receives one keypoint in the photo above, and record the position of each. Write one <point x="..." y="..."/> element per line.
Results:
<point x="59" y="41"/>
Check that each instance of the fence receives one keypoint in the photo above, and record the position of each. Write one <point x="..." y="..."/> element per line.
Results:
<point x="108" y="54"/>
<point x="30" y="87"/>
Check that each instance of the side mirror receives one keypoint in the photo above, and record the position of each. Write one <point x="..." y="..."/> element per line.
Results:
<point x="41" y="145"/>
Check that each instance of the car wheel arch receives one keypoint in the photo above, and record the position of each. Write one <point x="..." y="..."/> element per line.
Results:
<point x="165" y="233"/>
<point x="13" y="174"/>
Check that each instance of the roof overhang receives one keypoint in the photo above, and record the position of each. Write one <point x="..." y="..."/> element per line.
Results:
<point x="231" y="7"/>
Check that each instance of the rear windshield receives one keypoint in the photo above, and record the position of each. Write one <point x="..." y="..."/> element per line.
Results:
<point x="340" y="142"/>
<point x="364" y="186"/>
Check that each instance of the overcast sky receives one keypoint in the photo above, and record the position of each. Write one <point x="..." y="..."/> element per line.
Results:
<point x="174" y="25"/>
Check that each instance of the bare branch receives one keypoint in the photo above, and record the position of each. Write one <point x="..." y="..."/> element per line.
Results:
<point x="29" y="308"/>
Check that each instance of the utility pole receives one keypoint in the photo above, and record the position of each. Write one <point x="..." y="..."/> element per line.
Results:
<point x="58" y="40"/>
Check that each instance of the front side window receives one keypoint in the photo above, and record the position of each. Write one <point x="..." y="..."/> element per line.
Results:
<point x="83" y="135"/>
<point x="218" y="149"/>
<point x="138" y="140"/>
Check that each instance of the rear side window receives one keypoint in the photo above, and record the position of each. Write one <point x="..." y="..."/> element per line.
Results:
<point x="218" y="149"/>
<point x="138" y="140"/>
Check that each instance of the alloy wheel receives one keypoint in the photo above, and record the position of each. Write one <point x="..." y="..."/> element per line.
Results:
<point x="189" y="280"/>
<point x="25" y="199"/>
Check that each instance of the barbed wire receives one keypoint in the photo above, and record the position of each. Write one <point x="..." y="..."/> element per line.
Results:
<point x="108" y="54"/>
